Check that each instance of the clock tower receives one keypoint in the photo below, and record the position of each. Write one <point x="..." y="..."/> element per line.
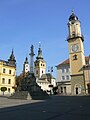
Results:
<point x="76" y="53"/>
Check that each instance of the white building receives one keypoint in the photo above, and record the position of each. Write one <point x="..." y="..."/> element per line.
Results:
<point x="43" y="79"/>
<point x="63" y="77"/>
<point x="47" y="83"/>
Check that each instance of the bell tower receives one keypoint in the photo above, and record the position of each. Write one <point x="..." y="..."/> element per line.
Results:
<point x="76" y="53"/>
<point x="26" y="66"/>
<point x="39" y="64"/>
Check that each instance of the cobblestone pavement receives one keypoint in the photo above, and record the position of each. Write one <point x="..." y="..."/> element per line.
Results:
<point x="56" y="108"/>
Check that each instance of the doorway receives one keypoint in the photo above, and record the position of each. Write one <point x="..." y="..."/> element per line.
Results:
<point x="88" y="87"/>
<point x="76" y="90"/>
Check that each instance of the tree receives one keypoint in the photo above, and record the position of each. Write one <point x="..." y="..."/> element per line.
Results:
<point x="3" y="89"/>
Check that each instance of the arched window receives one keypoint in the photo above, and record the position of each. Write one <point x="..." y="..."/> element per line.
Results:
<point x="75" y="57"/>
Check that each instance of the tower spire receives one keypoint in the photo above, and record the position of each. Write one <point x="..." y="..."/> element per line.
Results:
<point x="31" y="59"/>
<point x="12" y="58"/>
<point x="39" y="52"/>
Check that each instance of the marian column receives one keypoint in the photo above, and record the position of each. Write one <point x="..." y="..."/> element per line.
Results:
<point x="32" y="59"/>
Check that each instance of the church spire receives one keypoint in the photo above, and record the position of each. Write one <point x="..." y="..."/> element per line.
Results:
<point x="26" y="60"/>
<point x="12" y="58"/>
<point x="39" y="52"/>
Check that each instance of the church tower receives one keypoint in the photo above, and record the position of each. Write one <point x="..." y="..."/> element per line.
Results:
<point x="11" y="59"/>
<point x="76" y="53"/>
<point x="39" y="64"/>
<point x="26" y="66"/>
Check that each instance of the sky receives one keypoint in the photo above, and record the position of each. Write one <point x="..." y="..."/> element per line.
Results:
<point x="27" y="22"/>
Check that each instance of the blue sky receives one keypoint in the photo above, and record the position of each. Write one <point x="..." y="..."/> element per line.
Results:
<point x="26" y="22"/>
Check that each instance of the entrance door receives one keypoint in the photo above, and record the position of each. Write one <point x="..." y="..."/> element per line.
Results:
<point x="88" y="86"/>
<point x="76" y="90"/>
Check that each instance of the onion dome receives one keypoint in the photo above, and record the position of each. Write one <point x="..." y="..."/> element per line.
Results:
<point x="73" y="17"/>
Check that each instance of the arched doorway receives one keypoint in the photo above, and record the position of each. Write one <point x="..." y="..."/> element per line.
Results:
<point x="77" y="89"/>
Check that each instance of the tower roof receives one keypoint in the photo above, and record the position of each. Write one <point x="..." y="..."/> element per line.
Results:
<point x="26" y="60"/>
<point x="73" y="17"/>
<point x="39" y="52"/>
<point x="12" y="57"/>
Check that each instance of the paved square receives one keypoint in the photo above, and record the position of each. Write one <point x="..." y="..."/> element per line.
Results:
<point x="56" y="108"/>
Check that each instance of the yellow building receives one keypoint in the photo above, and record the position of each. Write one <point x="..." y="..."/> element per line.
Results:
<point x="76" y="52"/>
<point x="7" y="75"/>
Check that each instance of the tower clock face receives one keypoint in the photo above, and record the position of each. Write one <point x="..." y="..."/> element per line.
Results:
<point x="74" y="48"/>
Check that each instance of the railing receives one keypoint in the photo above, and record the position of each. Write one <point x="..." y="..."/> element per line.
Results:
<point x="75" y="36"/>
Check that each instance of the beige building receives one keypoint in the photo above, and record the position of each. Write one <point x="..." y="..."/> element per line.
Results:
<point x="7" y="75"/>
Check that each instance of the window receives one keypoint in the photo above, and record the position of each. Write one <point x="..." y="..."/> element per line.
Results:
<point x="75" y="57"/>
<point x="37" y="72"/>
<point x="26" y="65"/>
<point x="41" y="64"/>
<point x="4" y="70"/>
<point x="3" y="80"/>
<point x="9" y="90"/>
<point x="67" y="77"/>
<point x="42" y="71"/>
<point x="62" y="70"/>
<point x="9" y="81"/>
<point x="9" y="71"/>
<point x="63" y="77"/>
<point x="67" y="70"/>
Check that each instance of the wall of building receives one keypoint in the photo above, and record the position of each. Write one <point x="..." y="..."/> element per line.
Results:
<point x="63" y="73"/>
<point x="7" y="78"/>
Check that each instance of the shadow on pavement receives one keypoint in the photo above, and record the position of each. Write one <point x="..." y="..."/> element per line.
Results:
<point x="56" y="108"/>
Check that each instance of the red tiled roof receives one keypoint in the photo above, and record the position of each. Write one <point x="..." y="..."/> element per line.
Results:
<point x="68" y="62"/>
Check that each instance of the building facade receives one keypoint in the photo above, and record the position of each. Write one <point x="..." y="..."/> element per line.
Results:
<point x="7" y="75"/>
<point x="45" y="80"/>
<point x="64" y="82"/>
<point x="63" y="77"/>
